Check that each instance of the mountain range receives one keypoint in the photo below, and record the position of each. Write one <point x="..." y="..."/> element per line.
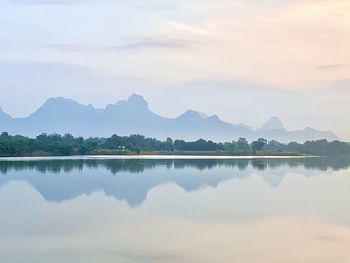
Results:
<point x="133" y="116"/>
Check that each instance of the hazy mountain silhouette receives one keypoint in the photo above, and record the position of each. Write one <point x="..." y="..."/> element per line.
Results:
<point x="274" y="130"/>
<point x="272" y="124"/>
<point x="133" y="116"/>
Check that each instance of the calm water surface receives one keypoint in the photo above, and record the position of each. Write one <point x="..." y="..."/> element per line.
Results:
<point x="175" y="210"/>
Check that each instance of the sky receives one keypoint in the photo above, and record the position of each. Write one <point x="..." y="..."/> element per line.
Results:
<point x="245" y="60"/>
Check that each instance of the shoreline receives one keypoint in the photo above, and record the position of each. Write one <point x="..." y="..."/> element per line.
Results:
<point x="154" y="157"/>
<point x="160" y="153"/>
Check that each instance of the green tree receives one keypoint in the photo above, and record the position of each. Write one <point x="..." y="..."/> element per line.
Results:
<point x="243" y="145"/>
<point x="258" y="144"/>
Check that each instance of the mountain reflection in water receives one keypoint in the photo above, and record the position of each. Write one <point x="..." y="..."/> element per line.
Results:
<point x="131" y="179"/>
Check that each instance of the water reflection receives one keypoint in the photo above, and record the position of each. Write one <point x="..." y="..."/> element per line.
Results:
<point x="259" y="210"/>
<point x="132" y="179"/>
<point x="140" y="165"/>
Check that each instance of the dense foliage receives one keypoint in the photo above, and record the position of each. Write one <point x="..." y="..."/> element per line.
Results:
<point x="56" y="144"/>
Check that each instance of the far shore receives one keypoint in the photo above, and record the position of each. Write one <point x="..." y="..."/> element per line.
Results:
<point x="160" y="155"/>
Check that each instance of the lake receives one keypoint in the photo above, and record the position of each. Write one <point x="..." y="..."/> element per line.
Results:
<point x="175" y="209"/>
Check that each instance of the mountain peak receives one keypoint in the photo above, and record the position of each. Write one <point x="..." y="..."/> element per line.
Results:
<point x="137" y="101"/>
<point x="214" y="117"/>
<point x="132" y="116"/>
<point x="273" y="123"/>
<point x="59" y="101"/>
<point x="60" y="106"/>
<point x="309" y="129"/>
<point x="135" y="105"/>
<point x="191" y="114"/>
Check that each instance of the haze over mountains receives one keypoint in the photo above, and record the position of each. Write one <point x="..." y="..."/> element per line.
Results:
<point x="133" y="116"/>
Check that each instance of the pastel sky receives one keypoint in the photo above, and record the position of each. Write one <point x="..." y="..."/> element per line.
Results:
<point x="245" y="60"/>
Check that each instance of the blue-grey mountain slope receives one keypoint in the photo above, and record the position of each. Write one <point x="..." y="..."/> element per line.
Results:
<point x="4" y="116"/>
<point x="272" y="124"/>
<point x="133" y="116"/>
<point x="273" y="129"/>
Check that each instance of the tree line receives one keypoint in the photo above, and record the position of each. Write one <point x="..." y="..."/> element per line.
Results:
<point x="58" y="145"/>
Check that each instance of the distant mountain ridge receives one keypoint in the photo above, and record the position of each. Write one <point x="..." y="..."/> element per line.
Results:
<point x="272" y="124"/>
<point x="133" y="116"/>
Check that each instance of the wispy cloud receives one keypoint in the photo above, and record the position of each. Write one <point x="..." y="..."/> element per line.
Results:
<point x="79" y="48"/>
<point x="46" y="2"/>
<point x="132" y="44"/>
<point x="155" y="43"/>
<point x="331" y="67"/>
<point x="155" y="4"/>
